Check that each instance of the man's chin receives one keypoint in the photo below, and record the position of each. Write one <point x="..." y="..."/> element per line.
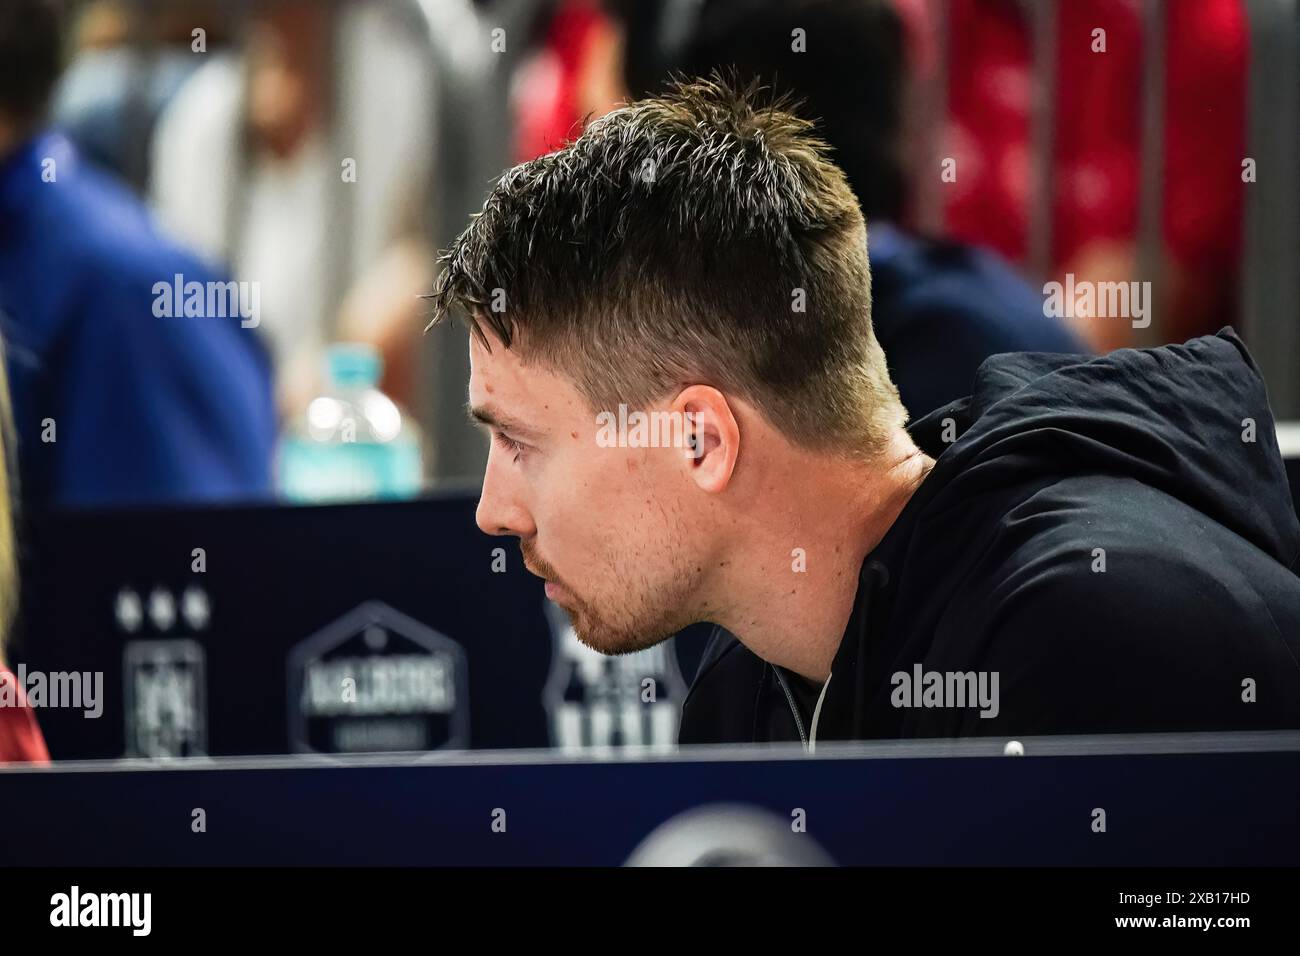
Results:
<point x="611" y="641"/>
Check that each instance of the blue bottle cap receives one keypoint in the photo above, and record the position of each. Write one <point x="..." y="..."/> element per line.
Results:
<point x="354" y="365"/>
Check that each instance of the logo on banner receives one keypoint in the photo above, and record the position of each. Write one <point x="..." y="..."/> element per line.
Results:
<point x="166" y="707"/>
<point x="730" y="834"/>
<point x="377" y="680"/>
<point x="593" y="700"/>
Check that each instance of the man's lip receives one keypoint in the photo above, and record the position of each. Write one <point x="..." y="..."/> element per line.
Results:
<point x="552" y="588"/>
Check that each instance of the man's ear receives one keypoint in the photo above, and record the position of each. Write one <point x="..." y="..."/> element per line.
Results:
<point x="712" y="436"/>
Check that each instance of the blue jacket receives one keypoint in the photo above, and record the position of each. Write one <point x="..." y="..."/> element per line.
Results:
<point x="145" y="409"/>
<point x="940" y="309"/>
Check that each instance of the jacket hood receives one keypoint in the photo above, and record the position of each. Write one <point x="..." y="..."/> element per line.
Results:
<point x="1192" y="420"/>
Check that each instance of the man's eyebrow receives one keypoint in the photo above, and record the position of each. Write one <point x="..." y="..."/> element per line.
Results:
<point x="489" y="416"/>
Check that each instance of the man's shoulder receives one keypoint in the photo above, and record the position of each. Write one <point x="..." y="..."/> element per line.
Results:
<point x="1107" y="548"/>
<point x="1105" y="605"/>
<point x="119" y="241"/>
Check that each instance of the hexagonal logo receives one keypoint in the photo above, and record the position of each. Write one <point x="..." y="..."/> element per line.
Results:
<point x="376" y="680"/>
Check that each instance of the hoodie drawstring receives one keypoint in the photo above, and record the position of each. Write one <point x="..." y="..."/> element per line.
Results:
<point x="817" y="715"/>
<point x="876" y="577"/>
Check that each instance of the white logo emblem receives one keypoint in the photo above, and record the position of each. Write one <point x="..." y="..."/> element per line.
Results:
<point x="597" y="701"/>
<point x="377" y="680"/>
<point x="166" y="712"/>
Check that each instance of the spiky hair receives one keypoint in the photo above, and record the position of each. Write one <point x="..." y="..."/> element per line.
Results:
<point x="702" y="236"/>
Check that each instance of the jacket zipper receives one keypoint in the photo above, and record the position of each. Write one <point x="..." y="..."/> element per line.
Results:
<point x="789" y="699"/>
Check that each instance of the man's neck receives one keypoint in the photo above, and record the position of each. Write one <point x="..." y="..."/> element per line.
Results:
<point x="793" y="578"/>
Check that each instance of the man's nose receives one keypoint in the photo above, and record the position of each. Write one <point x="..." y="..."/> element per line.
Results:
<point x="500" y="510"/>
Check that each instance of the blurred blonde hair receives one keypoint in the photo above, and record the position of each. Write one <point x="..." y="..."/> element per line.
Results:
<point x="8" y="548"/>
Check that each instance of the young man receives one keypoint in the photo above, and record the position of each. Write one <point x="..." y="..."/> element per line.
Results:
<point x="1081" y="545"/>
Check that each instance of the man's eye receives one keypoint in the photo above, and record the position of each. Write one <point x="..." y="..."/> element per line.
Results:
<point x="509" y="444"/>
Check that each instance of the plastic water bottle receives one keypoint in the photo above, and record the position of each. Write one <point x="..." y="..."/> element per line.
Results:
<point x="354" y="442"/>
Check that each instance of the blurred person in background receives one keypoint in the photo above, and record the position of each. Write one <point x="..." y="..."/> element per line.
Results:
<point x="1098" y="82"/>
<point x="940" y="308"/>
<point x="113" y="405"/>
<point x="302" y="161"/>
<point x="570" y="77"/>
<point x="20" y="735"/>
<point x="126" y="63"/>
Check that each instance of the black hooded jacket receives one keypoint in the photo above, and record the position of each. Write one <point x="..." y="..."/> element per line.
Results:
<point x="1113" y="538"/>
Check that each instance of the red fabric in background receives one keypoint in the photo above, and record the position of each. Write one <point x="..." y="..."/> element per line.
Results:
<point x="1098" y="138"/>
<point x="547" y="112"/>
<point x="988" y="125"/>
<point x="20" y="736"/>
